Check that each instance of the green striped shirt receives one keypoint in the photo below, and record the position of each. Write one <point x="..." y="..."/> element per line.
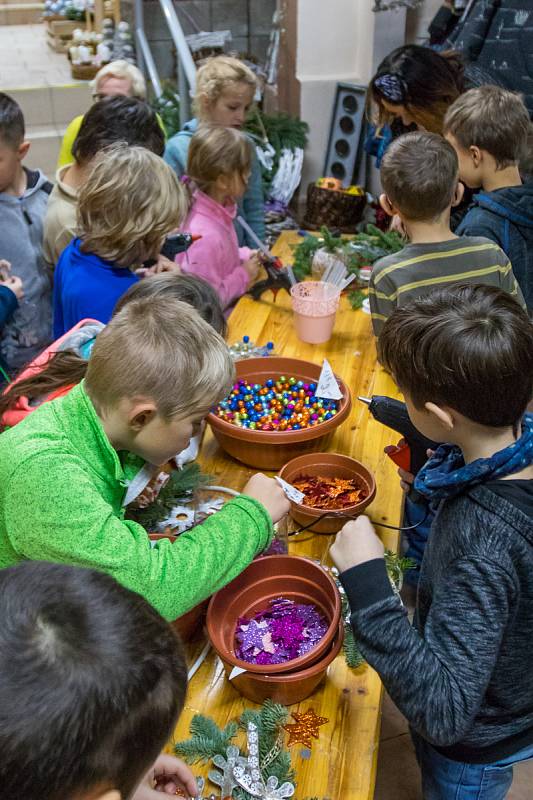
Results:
<point x="419" y="268"/>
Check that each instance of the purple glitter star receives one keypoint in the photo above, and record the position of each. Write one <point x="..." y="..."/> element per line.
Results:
<point x="282" y="632"/>
<point x="251" y="636"/>
<point x="288" y="629"/>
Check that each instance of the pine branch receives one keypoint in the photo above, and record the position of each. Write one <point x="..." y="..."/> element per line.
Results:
<point x="207" y="739"/>
<point x="354" y="657"/>
<point x="355" y="298"/>
<point x="180" y="486"/>
<point x="197" y="749"/>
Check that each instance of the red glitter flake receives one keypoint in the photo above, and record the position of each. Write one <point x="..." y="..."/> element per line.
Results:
<point x="331" y="493"/>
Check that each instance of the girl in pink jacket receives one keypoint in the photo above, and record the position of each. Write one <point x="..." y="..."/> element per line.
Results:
<point x="218" y="168"/>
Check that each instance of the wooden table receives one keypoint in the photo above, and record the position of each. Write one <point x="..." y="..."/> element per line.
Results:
<point x="342" y="765"/>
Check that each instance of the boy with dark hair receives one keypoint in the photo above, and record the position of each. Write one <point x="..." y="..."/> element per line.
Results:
<point x="111" y="120"/>
<point x="463" y="358"/>
<point x="92" y="681"/>
<point x="489" y="128"/>
<point x="420" y="179"/>
<point x="23" y="198"/>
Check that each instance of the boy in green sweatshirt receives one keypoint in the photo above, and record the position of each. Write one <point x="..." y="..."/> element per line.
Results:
<point x="154" y="373"/>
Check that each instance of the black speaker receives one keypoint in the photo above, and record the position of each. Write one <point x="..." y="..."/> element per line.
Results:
<point x="347" y="124"/>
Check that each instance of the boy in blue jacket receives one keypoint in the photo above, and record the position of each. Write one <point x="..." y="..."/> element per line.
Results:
<point x="488" y="127"/>
<point x="131" y="201"/>
<point x="11" y="291"/>
<point x="23" y="200"/>
<point x="461" y="675"/>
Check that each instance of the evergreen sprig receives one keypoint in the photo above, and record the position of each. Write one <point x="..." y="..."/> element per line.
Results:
<point x="181" y="485"/>
<point x="396" y="567"/>
<point x="282" y="131"/>
<point x="357" y="251"/>
<point x="269" y="720"/>
<point x="207" y="740"/>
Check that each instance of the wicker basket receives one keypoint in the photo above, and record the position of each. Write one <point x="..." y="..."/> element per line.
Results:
<point x="83" y="72"/>
<point x="335" y="209"/>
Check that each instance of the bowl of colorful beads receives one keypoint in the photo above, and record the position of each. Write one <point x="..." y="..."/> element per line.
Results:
<point x="334" y="488"/>
<point x="273" y="414"/>
<point x="281" y="615"/>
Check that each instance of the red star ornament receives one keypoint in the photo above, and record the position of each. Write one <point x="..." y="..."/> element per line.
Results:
<point x="305" y="729"/>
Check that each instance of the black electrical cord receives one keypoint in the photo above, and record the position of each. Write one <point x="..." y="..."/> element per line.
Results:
<point x="351" y="516"/>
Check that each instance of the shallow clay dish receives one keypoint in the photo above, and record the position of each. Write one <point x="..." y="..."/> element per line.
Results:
<point x="265" y="579"/>
<point x="288" y="687"/>
<point x="272" y="449"/>
<point x="329" y="465"/>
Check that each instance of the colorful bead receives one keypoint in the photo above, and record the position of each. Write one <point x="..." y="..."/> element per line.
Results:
<point x="278" y="404"/>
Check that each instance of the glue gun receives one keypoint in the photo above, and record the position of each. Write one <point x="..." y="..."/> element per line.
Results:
<point x="412" y="455"/>
<point x="278" y="276"/>
<point x="174" y="243"/>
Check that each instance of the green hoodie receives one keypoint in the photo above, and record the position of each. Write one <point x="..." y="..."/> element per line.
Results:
<point x="61" y="492"/>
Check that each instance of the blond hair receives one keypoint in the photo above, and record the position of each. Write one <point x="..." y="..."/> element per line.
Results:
<point x="493" y="119"/>
<point x="125" y="71"/>
<point x="160" y="348"/>
<point x="217" y="75"/>
<point x="129" y="203"/>
<point x="215" y="150"/>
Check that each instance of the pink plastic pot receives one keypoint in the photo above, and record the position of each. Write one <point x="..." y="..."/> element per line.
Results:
<point x="314" y="304"/>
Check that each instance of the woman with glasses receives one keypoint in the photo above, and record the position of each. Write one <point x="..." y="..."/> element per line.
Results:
<point x="118" y="78"/>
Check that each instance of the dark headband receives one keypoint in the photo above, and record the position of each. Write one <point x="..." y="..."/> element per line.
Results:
<point x="392" y="88"/>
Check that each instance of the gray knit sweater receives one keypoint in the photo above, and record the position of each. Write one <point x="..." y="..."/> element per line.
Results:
<point x="462" y="675"/>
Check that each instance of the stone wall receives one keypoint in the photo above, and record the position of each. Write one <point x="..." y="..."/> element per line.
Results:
<point x="248" y="20"/>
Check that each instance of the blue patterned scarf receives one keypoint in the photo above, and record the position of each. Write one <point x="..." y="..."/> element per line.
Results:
<point x="446" y="474"/>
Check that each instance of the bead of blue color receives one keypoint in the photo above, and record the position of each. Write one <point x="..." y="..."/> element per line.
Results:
<point x="246" y="339"/>
<point x="270" y="345"/>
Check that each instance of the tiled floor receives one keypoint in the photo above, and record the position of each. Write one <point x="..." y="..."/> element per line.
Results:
<point x="40" y="81"/>
<point x="26" y="60"/>
<point x="398" y="777"/>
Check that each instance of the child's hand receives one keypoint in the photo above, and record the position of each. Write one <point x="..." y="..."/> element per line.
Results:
<point x="407" y="478"/>
<point x="5" y="269"/>
<point x="269" y="493"/>
<point x="356" y="543"/>
<point x="15" y="284"/>
<point x="398" y="226"/>
<point x="166" y="776"/>
<point x="252" y="266"/>
<point x="163" y="264"/>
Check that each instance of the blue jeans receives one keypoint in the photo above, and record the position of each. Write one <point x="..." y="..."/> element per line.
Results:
<point x="444" y="779"/>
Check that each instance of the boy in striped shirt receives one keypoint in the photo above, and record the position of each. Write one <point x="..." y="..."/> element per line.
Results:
<point x="420" y="180"/>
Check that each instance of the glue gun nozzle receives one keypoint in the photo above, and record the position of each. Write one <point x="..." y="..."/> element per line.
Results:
<point x="366" y="400"/>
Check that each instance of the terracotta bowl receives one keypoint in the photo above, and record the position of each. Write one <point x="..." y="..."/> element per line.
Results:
<point x="186" y="625"/>
<point x="265" y="579"/>
<point x="272" y="449"/>
<point x="330" y="465"/>
<point x="289" y="687"/>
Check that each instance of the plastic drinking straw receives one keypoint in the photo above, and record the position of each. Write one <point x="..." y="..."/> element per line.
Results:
<point x="264" y="249"/>
<point x="326" y="273"/>
<point x="291" y="276"/>
<point x="346" y="282"/>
